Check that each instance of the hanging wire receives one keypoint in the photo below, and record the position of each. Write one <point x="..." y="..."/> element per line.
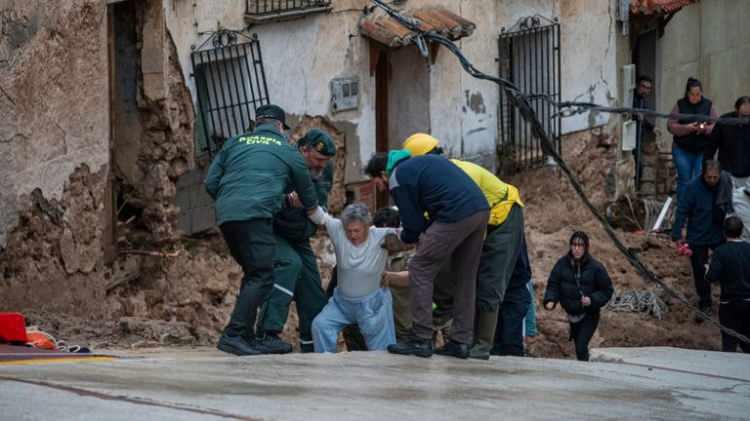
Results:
<point x="521" y="101"/>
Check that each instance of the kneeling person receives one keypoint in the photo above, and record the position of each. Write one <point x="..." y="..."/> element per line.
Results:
<point x="358" y="298"/>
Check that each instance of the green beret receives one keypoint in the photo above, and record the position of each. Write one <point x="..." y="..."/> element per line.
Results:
<point x="320" y="141"/>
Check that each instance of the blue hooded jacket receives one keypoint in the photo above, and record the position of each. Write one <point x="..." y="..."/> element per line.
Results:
<point x="432" y="185"/>
<point x="704" y="216"/>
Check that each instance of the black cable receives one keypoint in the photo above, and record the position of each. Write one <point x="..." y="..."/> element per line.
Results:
<point x="518" y="100"/>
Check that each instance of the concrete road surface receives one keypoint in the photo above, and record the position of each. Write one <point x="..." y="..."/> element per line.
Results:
<point x="203" y="384"/>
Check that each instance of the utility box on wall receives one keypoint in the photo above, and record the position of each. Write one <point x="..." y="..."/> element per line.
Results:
<point x="629" y="135"/>
<point x="344" y="94"/>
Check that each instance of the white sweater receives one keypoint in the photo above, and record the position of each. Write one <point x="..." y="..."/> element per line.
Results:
<point x="361" y="267"/>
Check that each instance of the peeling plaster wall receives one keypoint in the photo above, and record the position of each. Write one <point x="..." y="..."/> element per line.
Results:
<point x="589" y="33"/>
<point x="53" y="98"/>
<point x="409" y="96"/>
<point x="708" y="40"/>
<point x="302" y="56"/>
<point x="589" y="70"/>
<point x="464" y="109"/>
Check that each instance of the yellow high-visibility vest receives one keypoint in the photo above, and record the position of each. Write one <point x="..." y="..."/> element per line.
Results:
<point x="500" y="195"/>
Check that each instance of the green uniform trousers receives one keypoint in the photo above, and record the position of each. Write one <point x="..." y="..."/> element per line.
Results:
<point x="296" y="278"/>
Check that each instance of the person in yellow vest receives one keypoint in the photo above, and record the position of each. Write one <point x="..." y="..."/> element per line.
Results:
<point x="502" y="245"/>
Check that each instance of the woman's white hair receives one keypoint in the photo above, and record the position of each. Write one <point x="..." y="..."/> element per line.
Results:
<point x="356" y="212"/>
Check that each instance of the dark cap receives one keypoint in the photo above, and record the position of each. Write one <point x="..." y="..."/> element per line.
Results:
<point x="272" y="111"/>
<point x="320" y="141"/>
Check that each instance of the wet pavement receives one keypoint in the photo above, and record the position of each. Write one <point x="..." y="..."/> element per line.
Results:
<point x="200" y="384"/>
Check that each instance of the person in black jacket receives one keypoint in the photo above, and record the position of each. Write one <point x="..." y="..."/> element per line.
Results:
<point x="582" y="287"/>
<point x="730" y="266"/>
<point x="733" y="143"/>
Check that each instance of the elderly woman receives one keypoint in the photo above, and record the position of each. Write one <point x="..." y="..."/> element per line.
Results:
<point x="358" y="298"/>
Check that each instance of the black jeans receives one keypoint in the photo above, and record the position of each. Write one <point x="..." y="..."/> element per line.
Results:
<point x="509" y="331"/>
<point x="582" y="332"/>
<point x="702" y="287"/>
<point x="252" y="245"/>
<point x="735" y="314"/>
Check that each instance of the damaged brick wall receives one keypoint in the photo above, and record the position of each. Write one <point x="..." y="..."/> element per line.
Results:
<point x="53" y="75"/>
<point x="165" y="150"/>
<point x="54" y="257"/>
<point x="53" y="153"/>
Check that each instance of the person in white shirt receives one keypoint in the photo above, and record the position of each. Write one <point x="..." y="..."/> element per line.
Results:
<point x="358" y="297"/>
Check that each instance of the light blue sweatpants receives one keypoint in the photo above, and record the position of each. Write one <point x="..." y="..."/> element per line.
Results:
<point x="373" y="314"/>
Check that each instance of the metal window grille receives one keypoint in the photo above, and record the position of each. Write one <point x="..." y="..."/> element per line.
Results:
<point x="263" y="7"/>
<point x="230" y="83"/>
<point x="530" y="58"/>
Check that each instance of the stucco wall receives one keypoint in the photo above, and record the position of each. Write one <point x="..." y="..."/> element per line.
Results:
<point x="54" y="98"/>
<point x="588" y="34"/>
<point x="589" y="68"/>
<point x="710" y="41"/>
<point x="409" y="96"/>
<point x="302" y="56"/>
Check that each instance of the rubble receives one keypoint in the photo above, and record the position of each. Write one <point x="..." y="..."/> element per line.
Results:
<point x="148" y="284"/>
<point x="185" y="294"/>
<point x="553" y="212"/>
<point x="54" y="262"/>
<point x="159" y="331"/>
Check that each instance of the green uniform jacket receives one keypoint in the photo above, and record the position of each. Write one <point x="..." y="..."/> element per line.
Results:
<point x="324" y="183"/>
<point x="292" y="223"/>
<point x="251" y="174"/>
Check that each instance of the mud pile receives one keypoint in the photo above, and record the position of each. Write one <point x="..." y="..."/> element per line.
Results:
<point x="554" y="212"/>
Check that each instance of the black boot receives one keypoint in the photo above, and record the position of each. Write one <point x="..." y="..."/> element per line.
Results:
<point x="698" y="318"/>
<point x="413" y="346"/>
<point x="236" y="345"/>
<point x="454" y="349"/>
<point x="272" y="344"/>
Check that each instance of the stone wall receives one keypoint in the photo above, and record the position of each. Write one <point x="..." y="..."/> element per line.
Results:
<point x="71" y="220"/>
<point x="54" y="99"/>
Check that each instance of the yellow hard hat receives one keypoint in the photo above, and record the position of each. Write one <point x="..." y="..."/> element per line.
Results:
<point x="420" y="144"/>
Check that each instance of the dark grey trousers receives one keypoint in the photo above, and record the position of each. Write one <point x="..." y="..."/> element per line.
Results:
<point x="460" y="242"/>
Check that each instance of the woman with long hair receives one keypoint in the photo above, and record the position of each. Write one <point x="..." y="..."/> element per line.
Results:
<point x="582" y="287"/>
<point x="692" y="142"/>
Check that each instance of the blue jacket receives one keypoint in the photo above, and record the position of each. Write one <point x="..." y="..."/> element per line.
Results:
<point x="432" y="185"/>
<point x="704" y="218"/>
